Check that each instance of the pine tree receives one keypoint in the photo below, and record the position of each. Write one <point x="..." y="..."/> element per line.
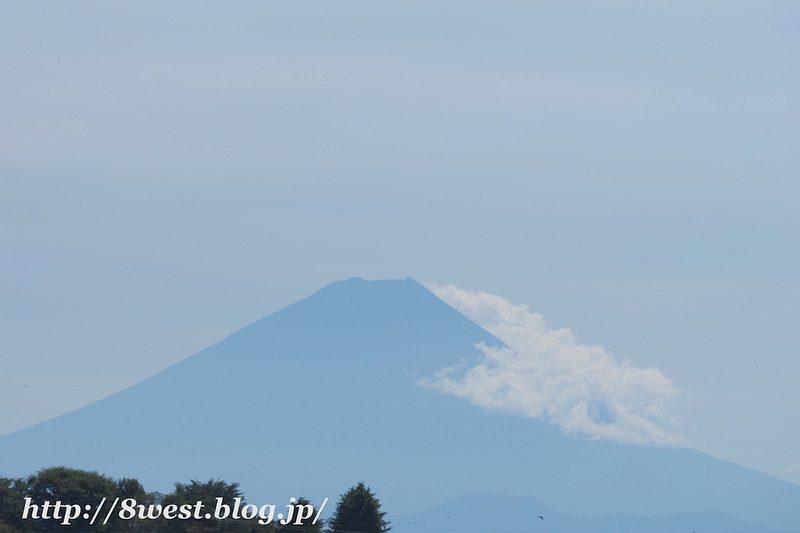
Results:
<point x="358" y="511"/>
<point x="306" y="526"/>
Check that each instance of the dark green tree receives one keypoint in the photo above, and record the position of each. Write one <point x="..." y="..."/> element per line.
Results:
<point x="208" y="492"/>
<point x="71" y="486"/>
<point x="359" y="511"/>
<point x="12" y="494"/>
<point x="306" y="525"/>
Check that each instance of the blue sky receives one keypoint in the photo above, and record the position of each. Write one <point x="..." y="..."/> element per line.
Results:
<point x="171" y="173"/>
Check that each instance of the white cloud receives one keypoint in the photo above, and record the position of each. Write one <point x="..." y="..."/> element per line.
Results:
<point x="545" y="373"/>
<point x="794" y="467"/>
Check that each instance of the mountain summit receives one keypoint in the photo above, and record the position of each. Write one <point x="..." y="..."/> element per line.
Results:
<point x="323" y="393"/>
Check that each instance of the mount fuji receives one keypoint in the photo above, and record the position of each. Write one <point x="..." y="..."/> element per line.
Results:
<point x="325" y="392"/>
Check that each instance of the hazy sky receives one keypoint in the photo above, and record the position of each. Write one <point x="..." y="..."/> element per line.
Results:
<point x="172" y="172"/>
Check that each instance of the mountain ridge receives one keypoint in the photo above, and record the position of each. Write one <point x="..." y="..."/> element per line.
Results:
<point x="500" y="513"/>
<point x="324" y="392"/>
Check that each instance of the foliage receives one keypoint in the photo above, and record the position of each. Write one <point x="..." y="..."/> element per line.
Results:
<point x="306" y="525"/>
<point x="12" y="494"/>
<point x="208" y="492"/>
<point x="71" y="487"/>
<point x="359" y="511"/>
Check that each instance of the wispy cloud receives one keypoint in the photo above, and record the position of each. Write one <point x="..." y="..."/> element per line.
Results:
<point x="791" y="469"/>
<point x="545" y="373"/>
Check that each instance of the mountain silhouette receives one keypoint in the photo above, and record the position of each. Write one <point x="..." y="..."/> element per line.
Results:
<point x="498" y="513"/>
<point x="324" y="393"/>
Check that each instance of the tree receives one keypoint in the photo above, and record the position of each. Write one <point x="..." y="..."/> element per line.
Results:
<point x="208" y="492"/>
<point x="72" y="486"/>
<point x="306" y="525"/>
<point x="359" y="511"/>
<point x="12" y="493"/>
<point x="69" y="486"/>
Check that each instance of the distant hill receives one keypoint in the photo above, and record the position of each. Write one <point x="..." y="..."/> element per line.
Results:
<point x="496" y="513"/>
<point x="323" y="393"/>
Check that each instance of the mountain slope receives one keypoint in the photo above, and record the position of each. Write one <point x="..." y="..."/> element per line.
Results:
<point x="496" y="513"/>
<point x="323" y="393"/>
